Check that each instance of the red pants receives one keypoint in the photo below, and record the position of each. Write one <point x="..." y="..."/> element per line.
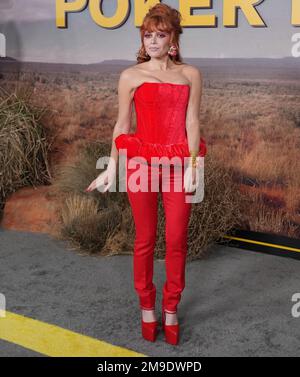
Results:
<point x="145" y="211"/>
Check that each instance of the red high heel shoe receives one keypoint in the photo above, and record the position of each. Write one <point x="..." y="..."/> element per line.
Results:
<point x="171" y="331"/>
<point x="149" y="330"/>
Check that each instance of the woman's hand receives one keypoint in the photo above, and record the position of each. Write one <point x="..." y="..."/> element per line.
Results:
<point x="106" y="178"/>
<point x="192" y="176"/>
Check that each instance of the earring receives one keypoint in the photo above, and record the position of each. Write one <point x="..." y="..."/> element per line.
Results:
<point x="172" y="50"/>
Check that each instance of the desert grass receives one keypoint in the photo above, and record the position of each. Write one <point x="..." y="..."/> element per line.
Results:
<point x="93" y="222"/>
<point x="24" y="146"/>
<point x="254" y="130"/>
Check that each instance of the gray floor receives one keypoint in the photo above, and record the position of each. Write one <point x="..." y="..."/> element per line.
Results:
<point x="235" y="303"/>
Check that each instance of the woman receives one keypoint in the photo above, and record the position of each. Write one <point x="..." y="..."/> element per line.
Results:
<point x="166" y="94"/>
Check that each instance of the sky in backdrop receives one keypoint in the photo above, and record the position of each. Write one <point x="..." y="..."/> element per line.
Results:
<point x="31" y="34"/>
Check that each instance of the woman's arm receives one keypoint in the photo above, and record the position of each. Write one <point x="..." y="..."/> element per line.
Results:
<point x="125" y="96"/>
<point x="193" y="110"/>
<point x="106" y="178"/>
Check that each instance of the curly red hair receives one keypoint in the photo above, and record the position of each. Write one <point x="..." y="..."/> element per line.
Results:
<point x="165" y="18"/>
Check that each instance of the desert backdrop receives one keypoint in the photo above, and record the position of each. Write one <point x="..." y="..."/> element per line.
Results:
<point x="250" y="119"/>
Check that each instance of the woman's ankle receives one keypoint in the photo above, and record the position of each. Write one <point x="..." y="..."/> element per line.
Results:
<point x="149" y="315"/>
<point x="171" y="318"/>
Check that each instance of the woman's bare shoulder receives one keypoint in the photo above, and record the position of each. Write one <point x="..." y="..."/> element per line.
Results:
<point x="131" y="74"/>
<point x="192" y="71"/>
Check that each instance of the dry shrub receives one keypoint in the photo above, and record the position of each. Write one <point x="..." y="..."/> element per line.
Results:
<point x="86" y="225"/>
<point x="24" y="147"/>
<point x="220" y="211"/>
<point x="102" y="222"/>
<point x="93" y="222"/>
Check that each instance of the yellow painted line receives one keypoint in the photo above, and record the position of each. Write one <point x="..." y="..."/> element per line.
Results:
<point x="264" y="243"/>
<point x="56" y="341"/>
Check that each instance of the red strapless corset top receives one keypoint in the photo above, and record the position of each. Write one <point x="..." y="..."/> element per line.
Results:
<point x="161" y="123"/>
